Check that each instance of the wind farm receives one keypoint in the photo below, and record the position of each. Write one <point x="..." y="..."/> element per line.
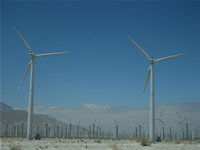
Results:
<point x="100" y="96"/>
<point x="94" y="130"/>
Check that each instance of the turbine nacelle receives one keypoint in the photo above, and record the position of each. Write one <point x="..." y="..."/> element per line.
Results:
<point x="152" y="60"/>
<point x="32" y="55"/>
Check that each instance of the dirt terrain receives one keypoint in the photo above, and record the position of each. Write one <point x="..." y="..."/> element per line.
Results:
<point x="92" y="144"/>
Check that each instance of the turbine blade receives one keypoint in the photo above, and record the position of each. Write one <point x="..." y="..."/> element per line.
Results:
<point x="140" y="49"/>
<point x="149" y="70"/>
<point x="179" y="115"/>
<point x="162" y="122"/>
<point x="23" y="40"/>
<point x="166" y="58"/>
<point x="25" y="73"/>
<point x="161" y="114"/>
<point x="51" y="54"/>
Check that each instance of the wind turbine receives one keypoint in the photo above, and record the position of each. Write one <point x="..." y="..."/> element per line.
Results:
<point x="70" y="128"/>
<point x="151" y="69"/>
<point x="78" y="127"/>
<point x="140" y="128"/>
<point x="58" y="130"/>
<point x="93" y="128"/>
<point x="181" y="125"/>
<point x="163" y="132"/>
<point x="159" y="121"/>
<point x="184" y="123"/>
<point x="99" y="130"/>
<point x="116" y="129"/>
<point x="31" y="64"/>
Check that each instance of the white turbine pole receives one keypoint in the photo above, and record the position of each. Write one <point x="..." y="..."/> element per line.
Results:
<point x="22" y="129"/>
<point x="192" y="133"/>
<point x="30" y="109"/>
<point x="152" y="104"/>
<point x="186" y="130"/>
<point x="70" y="130"/>
<point x="177" y="130"/>
<point x="182" y="133"/>
<point x="136" y="132"/>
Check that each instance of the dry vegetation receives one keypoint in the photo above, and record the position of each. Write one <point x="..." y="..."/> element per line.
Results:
<point x="186" y="142"/>
<point x="114" y="147"/>
<point x="144" y="141"/>
<point x="94" y="144"/>
<point x="16" y="147"/>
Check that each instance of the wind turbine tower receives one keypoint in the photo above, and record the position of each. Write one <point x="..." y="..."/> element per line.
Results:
<point x="31" y="64"/>
<point x="140" y="129"/>
<point x="151" y="70"/>
<point x="116" y="129"/>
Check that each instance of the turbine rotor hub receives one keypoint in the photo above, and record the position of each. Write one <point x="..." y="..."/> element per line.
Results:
<point x="152" y="60"/>
<point x="31" y="54"/>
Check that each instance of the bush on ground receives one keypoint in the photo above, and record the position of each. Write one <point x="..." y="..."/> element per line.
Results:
<point x="144" y="141"/>
<point x="16" y="147"/>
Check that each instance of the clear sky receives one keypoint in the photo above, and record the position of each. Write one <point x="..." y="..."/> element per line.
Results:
<point x="104" y="66"/>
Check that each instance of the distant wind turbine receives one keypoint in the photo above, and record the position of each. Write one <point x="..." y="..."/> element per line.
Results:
<point x="163" y="132"/>
<point x="140" y="128"/>
<point x="58" y="130"/>
<point x="70" y="128"/>
<point x="116" y="128"/>
<point x="184" y="123"/>
<point x="151" y="69"/>
<point x="31" y="64"/>
<point x="159" y="121"/>
<point x="93" y="128"/>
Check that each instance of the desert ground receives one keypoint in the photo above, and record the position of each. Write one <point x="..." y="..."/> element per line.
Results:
<point x="92" y="144"/>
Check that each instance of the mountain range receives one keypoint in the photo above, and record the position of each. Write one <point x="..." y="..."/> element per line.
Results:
<point x="10" y="119"/>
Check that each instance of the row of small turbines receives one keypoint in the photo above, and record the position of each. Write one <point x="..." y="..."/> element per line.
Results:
<point x="31" y="91"/>
<point x="95" y="130"/>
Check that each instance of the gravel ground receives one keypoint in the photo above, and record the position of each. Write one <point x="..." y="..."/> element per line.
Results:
<point x="92" y="144"/>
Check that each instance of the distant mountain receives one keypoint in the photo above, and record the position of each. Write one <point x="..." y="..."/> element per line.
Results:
<point x="4" y="108"/>
<point x="13" y="118"/>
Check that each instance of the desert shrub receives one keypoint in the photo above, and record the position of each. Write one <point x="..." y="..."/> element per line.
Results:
<point x="143" y="141"/>
<point x="167" y="140"/>
<point x="138" y="140"/>
<point x="14" y="147"/>
<point x="177" y="142"/>
<point x="82" y="140"/>
<point x="114" y="147"/>
<point x="98" y="141"/>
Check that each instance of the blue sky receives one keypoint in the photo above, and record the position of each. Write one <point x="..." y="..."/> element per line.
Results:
<point x="104" y="66"/>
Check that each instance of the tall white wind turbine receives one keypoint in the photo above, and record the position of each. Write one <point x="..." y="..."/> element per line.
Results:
<point x="151" y="69"/>
<point x="31" y="64"/>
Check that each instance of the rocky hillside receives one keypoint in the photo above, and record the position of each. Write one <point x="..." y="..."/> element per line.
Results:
<point x="4" y="108"/>
<point x="12" y="120"/>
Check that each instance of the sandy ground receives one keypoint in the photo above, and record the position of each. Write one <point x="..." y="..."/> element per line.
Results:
<point x="92" y="144"/>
